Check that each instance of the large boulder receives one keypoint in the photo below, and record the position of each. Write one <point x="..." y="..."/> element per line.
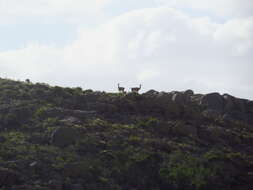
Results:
<point x="241" y="104"/>
<point x="229" y="103"/>
<point x="170" y="107"/>
<point x="235" y="104"/>
<point x="178" y="98"/>
<point x="213" y="101"/>
<point x="150" y="93"/>
<point x="188" y="94"/>
<point x="64" y="136"/>
<point x="8" y="177"/>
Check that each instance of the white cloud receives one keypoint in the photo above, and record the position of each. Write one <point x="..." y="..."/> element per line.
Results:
<point x="225" y="8"/>
<point x="49" y="7"/>
<point x="162" y="48"/>
<point x="18" y="11"/>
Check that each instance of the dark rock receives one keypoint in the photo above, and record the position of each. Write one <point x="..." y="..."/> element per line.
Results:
<point x="8" y="177"/>
<point x="189" y="92"/>
<point x="73" y="187"/>
<point x="55" y="185"/>
<point x="150" y="93"/>
<point x="64" y="136"/>
<point x="237" y="116"/>
<point x="242" y="104"/>
<point x="227" y="118"/>
<point x="211" y="114"/>
<point x="229" y="103"/>
<point x="250" y="106"/>
<point x="235" y="104"/>
<point x="196" y="98"/>
<point x="213" y="101"/>
<point x="164" y="100"/>
<point x="178" y="98"/>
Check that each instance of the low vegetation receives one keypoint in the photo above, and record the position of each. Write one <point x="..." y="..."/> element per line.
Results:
<point x="73" y="139"/>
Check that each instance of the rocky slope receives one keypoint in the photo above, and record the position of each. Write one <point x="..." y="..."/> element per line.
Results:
<point x="73" y="139"/>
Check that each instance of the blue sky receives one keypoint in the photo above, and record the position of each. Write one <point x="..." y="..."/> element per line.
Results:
<point x="163" y="44"/>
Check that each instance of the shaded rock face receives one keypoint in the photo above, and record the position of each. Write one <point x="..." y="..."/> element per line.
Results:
<point x="250" y="106"/>
<point x="213" y="101"/>
<point x="211" y="114"/>
<point x="151" y="93"/>
<point x="229" y="102"/>
<point x="64" y="136"/>
<point x="73" y="187"/>
<point x="8" y="177"/>
<point x="178" y="98"/>
<point x="235" y="104"/>
<point x="188" y="92"/>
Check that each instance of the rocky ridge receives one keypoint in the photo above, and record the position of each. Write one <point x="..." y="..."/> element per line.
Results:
<point x="74" y="139"/>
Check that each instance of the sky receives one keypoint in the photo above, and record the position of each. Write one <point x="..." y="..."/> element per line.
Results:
<point x="166" y="45"/>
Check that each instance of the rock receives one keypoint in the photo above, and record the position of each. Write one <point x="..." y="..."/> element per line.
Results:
<point x="8" y="177"/>
<point x="250" y="106"/>
<point x="227" y="118"/>
<point x="188" y="92"/>
<point x="196" y="98"/>
<point x="64" y="136"/>
<point x="241" y="104"/>
<point x="212" y="101"/>
<point x="170" y="107"/>
<point x="211" y="114"/>
<point x="73" y="187"/>
<point x="150" y="93"/>
<point x="178" y="98"/>
<point x="235" y="104"/>
<point x="229" y="103"/>
<point x="71" y="120"/>
<point x="33" y="164"/>
<point x="55" y="184"/>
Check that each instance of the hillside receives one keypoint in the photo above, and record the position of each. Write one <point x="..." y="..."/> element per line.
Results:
<point x="54" y="138"/>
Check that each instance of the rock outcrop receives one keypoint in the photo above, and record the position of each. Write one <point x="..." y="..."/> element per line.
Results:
<point x="213" y="101"/>
<point x="64" y="136"/>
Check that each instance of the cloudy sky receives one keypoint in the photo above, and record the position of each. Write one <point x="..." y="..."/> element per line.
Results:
<point x="163" y="44"/>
